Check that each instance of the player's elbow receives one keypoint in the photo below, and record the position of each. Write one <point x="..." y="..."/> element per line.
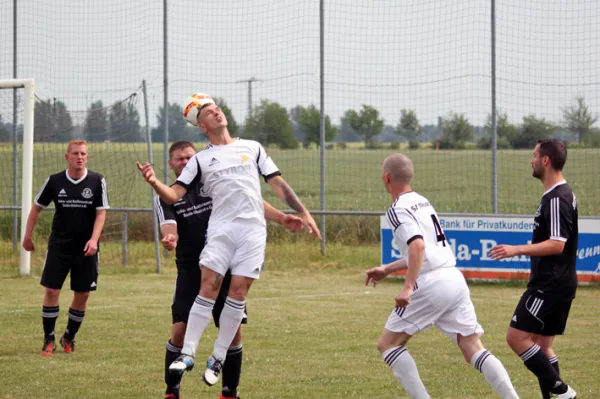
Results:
<point x="557" y="246"/>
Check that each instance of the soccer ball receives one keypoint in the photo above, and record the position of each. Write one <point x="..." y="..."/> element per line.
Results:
<point x="193" y="104"/>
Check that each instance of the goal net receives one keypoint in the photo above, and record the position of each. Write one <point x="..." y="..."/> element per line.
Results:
<point x="117" y="137"/>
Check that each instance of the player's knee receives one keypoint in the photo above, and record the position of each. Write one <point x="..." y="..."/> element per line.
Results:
<point x="52" y="294"/>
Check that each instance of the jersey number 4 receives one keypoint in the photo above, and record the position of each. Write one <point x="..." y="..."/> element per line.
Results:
<point x="439" y="233"/>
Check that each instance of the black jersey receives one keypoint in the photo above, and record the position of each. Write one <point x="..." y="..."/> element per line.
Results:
<point x="75" y="203"/>
<point x="556" y="219"/>
<point x="191" y="214"/>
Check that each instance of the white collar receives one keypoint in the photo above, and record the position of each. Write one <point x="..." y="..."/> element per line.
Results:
<point x="554" y="186"/>
<point x="78" y="180"/>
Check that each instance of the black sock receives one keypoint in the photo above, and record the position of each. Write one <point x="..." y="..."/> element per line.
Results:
<point x="75" y="320"/>
<point x="554" y="363"/>
<point x="232" y="369"/>
<point x="537" y="362"/>
<point x="49" y="316"/>
<point x="172" y="380"/>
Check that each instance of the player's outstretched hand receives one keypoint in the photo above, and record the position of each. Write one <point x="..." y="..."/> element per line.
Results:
<point x="28" y="245"/>
<point x="500" y="252"/>
<point x="169" y="241"/>
<point x="375" y="275"/>
<point x="91" y="247"/>
<point x="147" y="172"/>
<point x="292" y="223"/>
<point x="403" y="298"/>
<point x="310" y="225"/>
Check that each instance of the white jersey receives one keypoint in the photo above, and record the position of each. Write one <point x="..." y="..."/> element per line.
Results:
<point x="230" y="175"/>
<point x="411" y="216"/>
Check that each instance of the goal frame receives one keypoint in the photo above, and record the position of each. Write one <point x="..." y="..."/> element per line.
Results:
<point x="27" y="165"/>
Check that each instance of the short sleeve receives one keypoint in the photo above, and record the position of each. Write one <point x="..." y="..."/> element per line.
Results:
<point x="102" y="199"/>
<point x="559" y="215"/>
<point x="404" y="225"/>
<point x="46" y="194"/>
<point x="191" y="174"/>
<point x="266" y="166"/>
<point x="164" y="212"/>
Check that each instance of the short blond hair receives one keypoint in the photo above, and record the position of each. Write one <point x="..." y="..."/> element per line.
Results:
<point x="76" y="142"/>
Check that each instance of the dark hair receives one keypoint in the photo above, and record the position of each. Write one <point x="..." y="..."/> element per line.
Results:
<point x="180" y="145"/>
<point x="555" y="150"/>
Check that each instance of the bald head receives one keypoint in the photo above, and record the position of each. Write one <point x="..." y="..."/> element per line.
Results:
<point x="400" y="168"/>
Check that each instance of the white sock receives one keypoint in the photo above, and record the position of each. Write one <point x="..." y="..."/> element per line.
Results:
<point x="200" y="316"/>
<point x="229" y="322"/>
<point x="405" y="371"/>
<point x="495" y="373"/>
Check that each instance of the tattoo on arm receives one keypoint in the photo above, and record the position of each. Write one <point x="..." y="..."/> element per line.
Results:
<point x="291" y="198"/>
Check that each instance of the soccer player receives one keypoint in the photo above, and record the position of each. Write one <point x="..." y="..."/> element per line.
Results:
<point x="542" y="312"/>
<point x="183" y="227"/>
<point x="229" y="170"/>
<point x="80" y="201"/>
<point x="435" y="292"/>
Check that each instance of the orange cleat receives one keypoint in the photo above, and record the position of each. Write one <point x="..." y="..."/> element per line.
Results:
<point x="48" y="348"/>
<point x="67" y="344"/>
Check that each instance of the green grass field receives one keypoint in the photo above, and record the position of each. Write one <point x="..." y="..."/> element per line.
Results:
<point x="455" y="181"/>
<point x="312" y="334"/>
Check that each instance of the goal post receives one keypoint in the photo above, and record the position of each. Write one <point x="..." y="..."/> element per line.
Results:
<point x="27" y="164"/>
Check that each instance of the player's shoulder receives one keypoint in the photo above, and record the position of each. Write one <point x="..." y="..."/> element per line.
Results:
<point x="62" y="175"/>
<point x="407" y="200"/>
<point x="562" y="192"/>
<point x="95" y="175"/>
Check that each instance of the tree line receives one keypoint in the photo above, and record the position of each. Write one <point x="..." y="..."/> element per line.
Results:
<point x="272" y="124"/>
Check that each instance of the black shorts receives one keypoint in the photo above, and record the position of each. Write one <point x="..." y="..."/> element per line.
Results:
<point x="187" y="287"/>
<point x="84" y="270"/>
<point x="541" y="314"/>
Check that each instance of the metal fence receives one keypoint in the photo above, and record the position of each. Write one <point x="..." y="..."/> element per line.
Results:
<point x="499" y="65"/>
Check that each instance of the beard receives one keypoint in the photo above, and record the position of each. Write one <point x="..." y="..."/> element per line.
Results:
<point x="538" y="173"/>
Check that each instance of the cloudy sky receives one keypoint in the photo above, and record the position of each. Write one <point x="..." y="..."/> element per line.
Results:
<point x="429" y="55"/>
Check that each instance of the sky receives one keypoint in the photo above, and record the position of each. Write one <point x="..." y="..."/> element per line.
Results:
<point x="433" y="56"/>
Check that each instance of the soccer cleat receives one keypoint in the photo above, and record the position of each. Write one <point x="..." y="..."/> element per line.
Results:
<point x="213" y="369"/>
<point x="228" y="397"/>
<point x="181" y="364"/>
<point x="67" y="344"/>
<point x="48" y="348"/>
<point x="570" y="394"/>
<point x="172" y="396"/>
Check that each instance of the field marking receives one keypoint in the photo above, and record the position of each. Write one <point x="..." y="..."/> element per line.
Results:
<point x="265" y="299"/>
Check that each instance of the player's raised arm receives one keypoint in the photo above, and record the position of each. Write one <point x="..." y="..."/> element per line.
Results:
<point x="168" y="194"/>
<point x="283" y="190"/>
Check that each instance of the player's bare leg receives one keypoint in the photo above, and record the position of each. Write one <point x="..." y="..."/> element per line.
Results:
<point x="50" y="312"/>
<point x="200" y="316"/>
<point x="76" y="315"/>
<point x="487" y="364"/>
<point x="391" y="345"/>
<point x="230" y="321"/>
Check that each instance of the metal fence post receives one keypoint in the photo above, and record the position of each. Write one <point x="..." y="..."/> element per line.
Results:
<point x="124" y="238"/>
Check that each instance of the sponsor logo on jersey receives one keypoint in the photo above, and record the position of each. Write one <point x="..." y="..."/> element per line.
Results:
<point x="213" y="161"/>
<point x="62" y="193"/>
<point x="244" y="158"/>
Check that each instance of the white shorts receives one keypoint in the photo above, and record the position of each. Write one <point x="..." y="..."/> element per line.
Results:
<point x="442" y="299"/>
<point x="239" y="246"/>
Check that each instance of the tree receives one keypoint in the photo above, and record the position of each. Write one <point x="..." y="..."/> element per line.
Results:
<point x="309" y="122"/>
<point x="408" y="126"/>
<point x="456" y="131"/>
<point x="232" y="125"/>
<point x="179" y="129"/>
<point x="532" y="130"/>
<point x="578" y="119"/>
<point x="506" y="132"/>
<point x="270" y="123"/>
<point x="96" y="123"/>
<point x="52" y="122"/>
<point x="124" y="123"/>
<point x="5" y="134"/>
<point x="366" y="123"/>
